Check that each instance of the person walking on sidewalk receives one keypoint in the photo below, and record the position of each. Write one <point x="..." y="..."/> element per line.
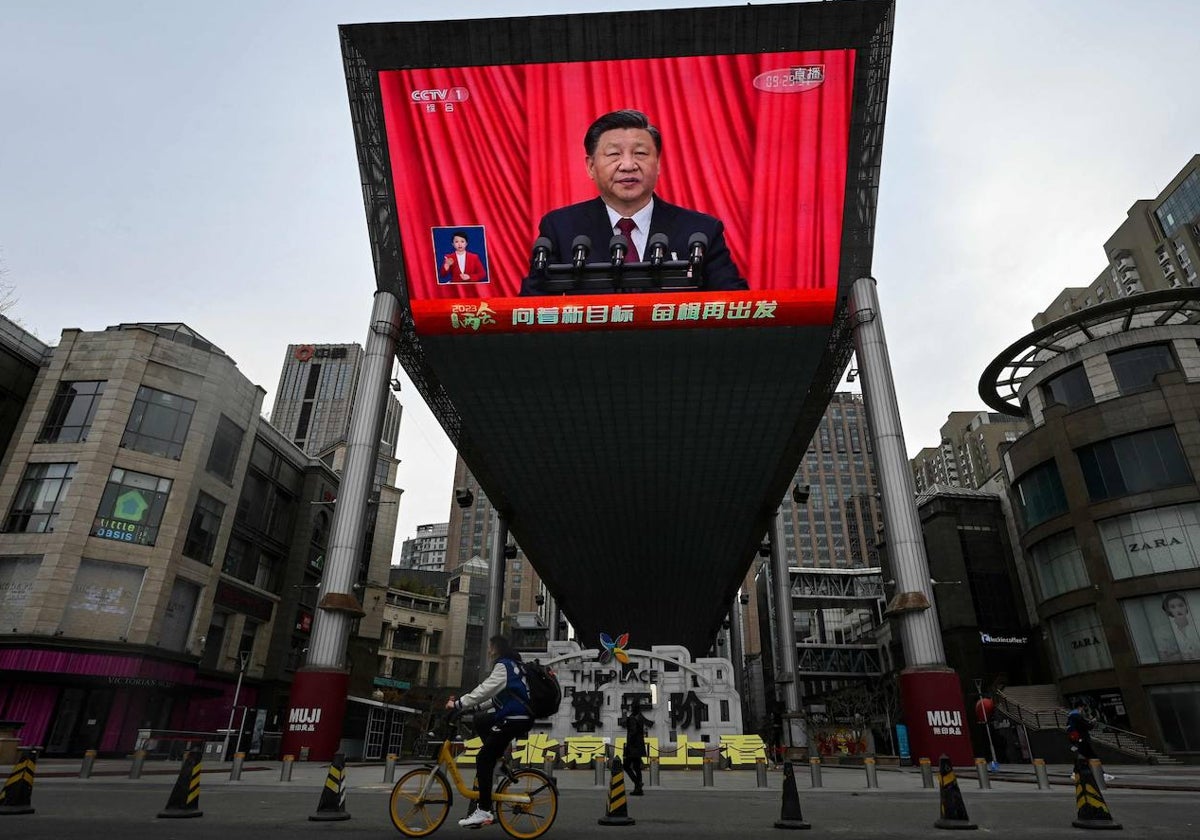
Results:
<point x="507" y="693"/>
<point x="1079" y="733"/>
<point x="635" y="747"/>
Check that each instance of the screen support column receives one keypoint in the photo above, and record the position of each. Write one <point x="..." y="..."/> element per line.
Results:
<point x="495" y="602"/>
<point x="933" y="701"/>
<point x="785" y="642"/>
<point x="317" y="703"/>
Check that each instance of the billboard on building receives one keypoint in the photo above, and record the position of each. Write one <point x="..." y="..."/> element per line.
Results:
<point x="634" y="413"/>
<point x="768" y="131"/>
<point x="479" y="155"/>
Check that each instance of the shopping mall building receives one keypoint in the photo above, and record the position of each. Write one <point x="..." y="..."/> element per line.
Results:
<point x="1105" y="489"/>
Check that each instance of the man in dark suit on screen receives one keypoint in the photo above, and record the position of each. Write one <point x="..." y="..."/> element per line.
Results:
<point x="623" y="154"/>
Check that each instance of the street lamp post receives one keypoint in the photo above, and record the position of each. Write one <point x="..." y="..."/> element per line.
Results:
<point x="243" y="661"/>
<point x="987" y="724"/>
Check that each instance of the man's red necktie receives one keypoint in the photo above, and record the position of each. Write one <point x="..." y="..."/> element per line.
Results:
<point x="627" y="226"/>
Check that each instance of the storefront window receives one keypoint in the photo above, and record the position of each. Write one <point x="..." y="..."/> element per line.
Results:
<point x="1165" y="627"/>
<point x="1178" y="710"/>
<point x="1040" y="494"/>
<point x="1148" y="542"/>
<point x="202" y="532"/>
<point x="1058" y="564"/>
<point x="1135" y="368"/>
<point x="40" y="497"/>
<point x="72" y="412"/>
<point x="226" y="446"/>
<point x="1136" y="463"/>
<point x="178" y="619"/>
<point x="1069" y="388"/>
<point x="158" y="423"/>
<point x="1079" y="641"/>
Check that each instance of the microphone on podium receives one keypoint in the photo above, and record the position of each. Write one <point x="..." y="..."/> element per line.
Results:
<point x="541" y="253"/>
<point x="580" y="248"/>
<point x="656" y="249"/>
<point x="697" y="244"/>
<point x="618" y="248"/>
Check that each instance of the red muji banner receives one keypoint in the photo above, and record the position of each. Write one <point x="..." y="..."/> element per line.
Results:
<point x="316" y="709"/>
<point x="480" y="154"/>
<point x="934" y="713"/>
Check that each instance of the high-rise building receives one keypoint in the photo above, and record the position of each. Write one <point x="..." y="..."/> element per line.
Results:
<point x="1156" y="247"/>
<point x="313" y="405"/>
<point x="427" y="550"/>
<point x="969" y="452"/>
<point x="468" y="543"/>
<point x="830" y="530"/>
<point x="315" y="397"/>
<point x="469" y="535"/>
<point x="467" y="615"/>
<point x="836" y="525"/>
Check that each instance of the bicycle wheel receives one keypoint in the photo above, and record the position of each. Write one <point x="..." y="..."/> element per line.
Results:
<point x="414" y="815"/>
<point x="525" y="822"/>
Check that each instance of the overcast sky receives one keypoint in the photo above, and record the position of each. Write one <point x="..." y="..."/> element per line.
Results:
<point x="195" y="162"/>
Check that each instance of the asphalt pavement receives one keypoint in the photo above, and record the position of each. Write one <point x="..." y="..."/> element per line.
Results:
<point x="261" y="807"/>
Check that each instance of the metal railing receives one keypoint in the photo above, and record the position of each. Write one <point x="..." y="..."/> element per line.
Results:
<point x="838" y="660"/>
<point x="1111" y="736"/>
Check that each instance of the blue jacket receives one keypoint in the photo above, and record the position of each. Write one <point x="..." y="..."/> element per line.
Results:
<point x="505" y="687"/>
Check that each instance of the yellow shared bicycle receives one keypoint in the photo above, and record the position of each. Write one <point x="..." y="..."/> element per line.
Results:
<point x="525" y="800"/>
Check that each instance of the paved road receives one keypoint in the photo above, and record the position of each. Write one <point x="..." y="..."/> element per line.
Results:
<point x="261" y="808"/>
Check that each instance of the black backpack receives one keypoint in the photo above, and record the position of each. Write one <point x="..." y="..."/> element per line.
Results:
<point x="545" y="694"/>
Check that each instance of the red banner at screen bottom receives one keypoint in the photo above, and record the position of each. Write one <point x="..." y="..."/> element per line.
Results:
<point x="634" y="311"/>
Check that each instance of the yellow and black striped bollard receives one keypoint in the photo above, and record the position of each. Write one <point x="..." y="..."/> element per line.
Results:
<point x="953" y="809"/>
<point x="617" y="810"/>
<point x="1091" y="809"/>
<point x="185" y="796"/>
<point x="333" y="796"/>
<point x="17" y="795"/>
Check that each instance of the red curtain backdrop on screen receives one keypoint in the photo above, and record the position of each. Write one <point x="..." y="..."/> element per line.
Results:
<point x="497" y="147"/>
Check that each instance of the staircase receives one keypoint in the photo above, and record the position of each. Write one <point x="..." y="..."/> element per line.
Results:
<point x="1040" y="707"/>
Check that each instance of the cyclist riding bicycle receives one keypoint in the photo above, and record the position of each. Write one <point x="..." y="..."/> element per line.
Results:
<point x="508" y="719"/>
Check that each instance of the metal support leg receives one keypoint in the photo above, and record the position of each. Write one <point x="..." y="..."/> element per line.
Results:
<point x="495" y="603"/>
<point x="785" y="627"/>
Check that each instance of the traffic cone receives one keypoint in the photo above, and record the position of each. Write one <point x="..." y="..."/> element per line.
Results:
<point x="333" y="796"/>
<point x="617" y="810"/>
<point x="17" y="795"/>
<point x="789" y="814"/>
<point x="954" y="810"/>
<point x="1092" y="810"/>
<point x="184" y="801"/>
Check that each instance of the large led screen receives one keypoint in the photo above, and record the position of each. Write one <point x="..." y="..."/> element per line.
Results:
<point x="757" y="143"/>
